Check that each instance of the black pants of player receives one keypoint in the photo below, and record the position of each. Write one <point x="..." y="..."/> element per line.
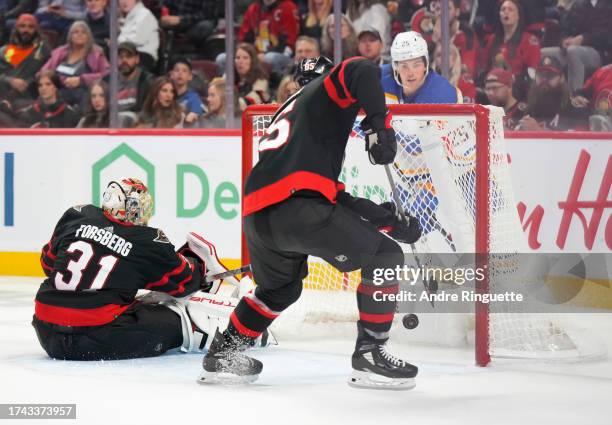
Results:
<point x="281" y="237"/>
<point x="143" y="330"/>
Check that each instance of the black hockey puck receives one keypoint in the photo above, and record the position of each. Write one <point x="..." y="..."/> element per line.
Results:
<point x="410" y="321"/>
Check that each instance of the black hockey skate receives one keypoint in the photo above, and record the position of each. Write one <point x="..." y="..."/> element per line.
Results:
<point x="374" y="367"/>
<point x="226" y="364"/>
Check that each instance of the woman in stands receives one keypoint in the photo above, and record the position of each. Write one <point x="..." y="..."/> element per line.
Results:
<point x="312" y="21"/>
<point x="511" y="47"/>
<point x="348" y="35"/>
<point x="49" y="110"/>
<point x="160" y="108"/>
<point x="459" y="74"/>
<point x="96" y="109"/>
<point x="217" y="115"/>
<point x="251" y="77"/>
<point x="286" y="88"/>
<point x="78" y="63"/>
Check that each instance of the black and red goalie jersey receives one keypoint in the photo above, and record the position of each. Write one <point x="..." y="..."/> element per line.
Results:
<point x="95" y="264"/>
<point x="304" y="146"/>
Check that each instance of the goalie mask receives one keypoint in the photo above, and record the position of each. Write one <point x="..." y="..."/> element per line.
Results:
<point x="311" y="68"/>
<point x="128" y="200"/>
<point x="408" y="45"/>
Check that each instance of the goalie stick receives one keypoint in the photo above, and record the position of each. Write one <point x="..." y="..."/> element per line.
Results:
<point x="401" y="213"/>
<point x="228" y="273"/>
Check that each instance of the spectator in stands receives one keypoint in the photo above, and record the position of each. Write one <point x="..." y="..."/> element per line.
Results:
<point x="58" y="15"/>
<point x="251" y="78"/>
<point x="511" y="47"/>
<point x="98" y="20"/>
<point x="20" y="60"/>
<point x="96" y="109"/>
<point x="597" y="95"/>
<point x="459" y="75"/>
<point x="349" y="38"/>
<point x="49" y="110"/>
<point x="272" y="26"/>
<point x="460" y="33"/>
<point x="365" y="14"/>
<point x="549" y="106"/>
<point x="160" y="109"/>
<point x="133" y="84"/>
<point x="370" y="46"/>
<point x="139" y="26"/>
<point x="197" y="19"/>
<point x="181" y="74"/>
<point x="498" y="88"/>
<point x="78" y="63"/>
<point x="216" y="116"/>
<point x="9" y="13"/>
<point x="586" y="41"/>
<point x="305" y="47"/>
<point x="286" y="88"/>
<point x="312" y="21"/>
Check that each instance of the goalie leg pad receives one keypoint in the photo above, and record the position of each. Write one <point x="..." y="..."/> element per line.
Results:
<point x="188" y="334"/>
<point x="211" y="312"/>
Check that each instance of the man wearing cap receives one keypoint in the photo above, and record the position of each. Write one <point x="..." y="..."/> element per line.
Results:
<point x="549" y="106"/>
<point x="20" y="59"/>
<point x="133" y="83"/>
<point x="371" y="46"/>
<point x="498" y="88"/>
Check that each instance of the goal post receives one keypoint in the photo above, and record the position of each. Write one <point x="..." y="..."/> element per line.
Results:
<point x="452" y="173"/>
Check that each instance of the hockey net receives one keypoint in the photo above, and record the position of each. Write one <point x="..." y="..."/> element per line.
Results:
<point x="452" y="172"/>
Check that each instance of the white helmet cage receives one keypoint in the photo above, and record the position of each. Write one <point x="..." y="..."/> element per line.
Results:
<point x="128" y="200"/>
<point x="408" y="45"/>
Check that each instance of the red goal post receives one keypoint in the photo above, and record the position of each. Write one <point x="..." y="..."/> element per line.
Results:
<point x="462" y="150"/>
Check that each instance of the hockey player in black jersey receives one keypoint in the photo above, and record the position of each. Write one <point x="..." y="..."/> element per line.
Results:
<point x="294" y="206"/>
<point x="97" y="260"/>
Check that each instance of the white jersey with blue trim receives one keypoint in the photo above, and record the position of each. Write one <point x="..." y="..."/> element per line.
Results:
<point x="435" y="89"/>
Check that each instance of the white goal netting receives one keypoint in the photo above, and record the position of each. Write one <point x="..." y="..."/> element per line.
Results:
<point x="465" y="204"/>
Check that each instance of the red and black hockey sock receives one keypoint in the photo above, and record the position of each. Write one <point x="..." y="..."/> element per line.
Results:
<point x="251" y="316"/>
<point x="257" y="310"/>
<point x="375" y="309"/>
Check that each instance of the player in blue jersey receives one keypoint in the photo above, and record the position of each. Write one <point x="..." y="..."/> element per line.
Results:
<point x="408" y="79"/>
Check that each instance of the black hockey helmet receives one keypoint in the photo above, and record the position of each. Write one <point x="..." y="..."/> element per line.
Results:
<point x="311" y="68"/>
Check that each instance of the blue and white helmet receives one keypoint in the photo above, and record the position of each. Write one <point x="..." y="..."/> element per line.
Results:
<point x="408" y="45"/>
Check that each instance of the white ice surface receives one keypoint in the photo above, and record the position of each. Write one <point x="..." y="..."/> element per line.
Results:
<point x="302" y="383"/>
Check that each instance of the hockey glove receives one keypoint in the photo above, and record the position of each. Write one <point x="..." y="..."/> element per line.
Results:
<point x="381" y="144"/>
<point x="405" y="230"/>
<point x="199" y="265"/>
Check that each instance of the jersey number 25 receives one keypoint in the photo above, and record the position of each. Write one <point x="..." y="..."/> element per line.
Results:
<point x="277" y="134"/>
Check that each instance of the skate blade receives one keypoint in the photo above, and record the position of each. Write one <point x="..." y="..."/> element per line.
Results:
<point x="224" y="378"/>
<point x="359" y="379"/>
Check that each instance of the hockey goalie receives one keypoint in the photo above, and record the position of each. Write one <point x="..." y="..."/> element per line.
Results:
<point x="117" y="289"/>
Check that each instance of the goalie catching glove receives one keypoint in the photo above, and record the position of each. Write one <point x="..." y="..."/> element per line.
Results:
<point x="405" y="229"/>
<point x="381" y="144"/>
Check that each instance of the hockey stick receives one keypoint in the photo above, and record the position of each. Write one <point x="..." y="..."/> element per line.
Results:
<point x="228" y="273"/>
<point x="403" y="217"/>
